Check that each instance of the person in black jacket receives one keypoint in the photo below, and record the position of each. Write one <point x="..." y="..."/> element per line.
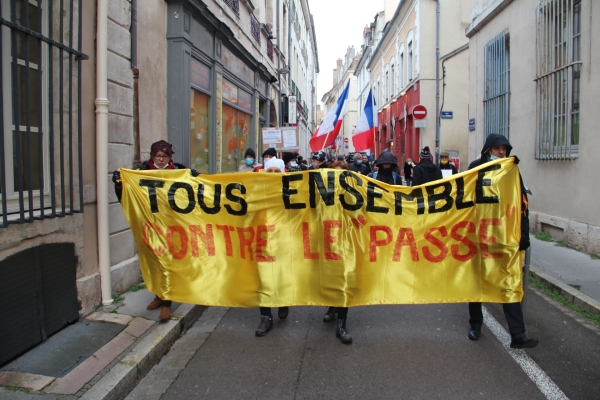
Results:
<point x="445" y="162"/>
<point x="497" y="146"/>
<point x="426" y="170"/>
<point x="161" y="154"/>
<point x="387" y="164"/>
<point x="358" y="166"/>
<point x="408" y="171"/>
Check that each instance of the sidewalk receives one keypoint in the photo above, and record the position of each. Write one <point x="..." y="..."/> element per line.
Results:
<point x="136" y="342"/>
<point x="575" y="275"/>
<point x="113" y="370"/>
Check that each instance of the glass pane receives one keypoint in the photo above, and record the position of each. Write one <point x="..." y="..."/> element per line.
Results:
<point x="34" y="91"/>
<point x="236" y="137"/>
<point x="199" y="131"/>
<point x="32" y="164"/>
<point x="30" y="21"/>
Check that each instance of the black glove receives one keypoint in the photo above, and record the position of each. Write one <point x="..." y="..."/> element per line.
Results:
<point x="116" y="178"/>
<point x="524" y="242"/>
<point x="195" y="172"/>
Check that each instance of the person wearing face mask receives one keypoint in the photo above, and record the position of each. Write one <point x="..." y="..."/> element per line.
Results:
<point x="425" y="171"/>
<point x="289" y="160"/>
<point x="249" y="162"/>
<point x="318" y="160"/>
<point x="445" y="162"/>
<point x="358" y="166"/>
<point x="386" y="169"/>
<point x="267" y="155"/>
<point x="161" y="154"/>
<point x="497" y="146"/>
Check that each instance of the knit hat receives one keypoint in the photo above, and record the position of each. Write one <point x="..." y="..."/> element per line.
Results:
<point x="161" y="145"/>
<point x="425" y="154"/>
<point x="275" y="163"/>
<point x="287" y="157"/>
<point x="445" y="154"/>
<point x="250" y="153"/>
<point x="320" y="156"/>
<point x="270" y="152"/>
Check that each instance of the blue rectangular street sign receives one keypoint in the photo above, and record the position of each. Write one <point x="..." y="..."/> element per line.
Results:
<point x="447" y="114"/>
<point x="472" y="124"/>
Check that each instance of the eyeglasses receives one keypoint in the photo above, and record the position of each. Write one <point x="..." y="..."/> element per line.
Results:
<point x="161" y="156"/>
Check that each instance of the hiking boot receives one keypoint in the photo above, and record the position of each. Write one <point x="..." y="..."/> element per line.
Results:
<point x="165" y="313"/>
<point x="341" y="332"/>
<point x="330" y="314"/>
<point x="524" y="343"/>
<point x="283" y="312"/>
<point x="155" y="304"/>
<point x="266" y="324"/>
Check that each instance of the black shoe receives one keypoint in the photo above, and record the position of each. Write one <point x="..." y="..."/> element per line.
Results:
<point x="341" y="332"/>
<point x="266" y="324"/>
<point x="524" y="343"/>
<point x="330" y="314"/>
<point x="283" y="312"/>
<point x="474" y="333"/>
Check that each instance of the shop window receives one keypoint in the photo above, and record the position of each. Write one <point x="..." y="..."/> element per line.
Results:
<point x="199" y="131"/>
<point x="236" y="137"/>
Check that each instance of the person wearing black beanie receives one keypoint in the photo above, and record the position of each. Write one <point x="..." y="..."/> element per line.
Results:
<point x="290" y="162"/>
<point x="249" y="162"/>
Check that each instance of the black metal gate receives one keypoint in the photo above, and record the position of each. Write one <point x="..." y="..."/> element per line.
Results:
<point x="38" y="296"/>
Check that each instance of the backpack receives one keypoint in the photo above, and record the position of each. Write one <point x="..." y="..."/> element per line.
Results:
<point x="393" y="174"/>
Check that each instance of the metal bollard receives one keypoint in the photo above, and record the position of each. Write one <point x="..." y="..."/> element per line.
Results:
<point x="526" y="263"/>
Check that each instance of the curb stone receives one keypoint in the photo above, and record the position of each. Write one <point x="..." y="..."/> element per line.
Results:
<point x="125" y="375"/>
<point x="579" y="298"/>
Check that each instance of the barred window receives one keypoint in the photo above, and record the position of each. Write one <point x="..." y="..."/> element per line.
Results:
<point x="558" y="79"/>
<point x="496" y="99"/>
<point x="40" y="123"/>
<point x="234" y="5"/>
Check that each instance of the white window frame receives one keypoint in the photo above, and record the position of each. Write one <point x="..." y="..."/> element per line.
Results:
<point x="401" y="64"/>
<point x="558" y="79"/>
<point x="410" y="68"/>
<point x="12" y="196"/>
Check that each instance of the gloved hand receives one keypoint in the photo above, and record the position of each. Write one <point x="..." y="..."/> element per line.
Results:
<point x="116" y="178"/>
<point x="195" y="172"/>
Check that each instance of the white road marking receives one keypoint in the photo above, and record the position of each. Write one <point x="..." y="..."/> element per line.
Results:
<point x="535" y="373"/>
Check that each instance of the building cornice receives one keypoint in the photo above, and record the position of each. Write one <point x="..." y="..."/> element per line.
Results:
<point x="486" y="16"/>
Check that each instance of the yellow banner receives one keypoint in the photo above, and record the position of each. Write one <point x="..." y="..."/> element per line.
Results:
<point x="327" y="237"/>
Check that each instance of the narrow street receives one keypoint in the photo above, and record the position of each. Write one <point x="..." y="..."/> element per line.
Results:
<point x="418" y="351"/>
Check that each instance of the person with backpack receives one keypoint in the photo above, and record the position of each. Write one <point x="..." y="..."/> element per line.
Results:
<point x="386" y="165"/>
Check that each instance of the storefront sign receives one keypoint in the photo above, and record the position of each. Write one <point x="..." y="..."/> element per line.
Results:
<point x="200" y="75"/>
<point x="292" y="110"/>
<point x="230" y="92"/>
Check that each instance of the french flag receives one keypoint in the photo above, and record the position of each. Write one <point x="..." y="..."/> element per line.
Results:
<point x="364" y="135"/>
<point x="331" y="125"/>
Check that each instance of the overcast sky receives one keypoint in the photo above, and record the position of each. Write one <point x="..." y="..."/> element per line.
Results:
<point x="339" y="24"/>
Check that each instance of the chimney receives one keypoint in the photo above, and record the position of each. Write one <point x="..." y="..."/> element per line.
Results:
<point x="335" y="77"/>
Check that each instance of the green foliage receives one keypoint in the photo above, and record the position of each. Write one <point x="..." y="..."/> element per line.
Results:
<point x="556" y="295"/>
<point x="118" y="299"/>
<point x="137" y="287"/>
<point x="594" y="256"/>
<point x="544" y="236"/>
<point x="561" y="243"/>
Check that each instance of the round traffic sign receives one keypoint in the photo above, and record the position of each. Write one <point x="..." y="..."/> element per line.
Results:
<point x="419" y="112"/>
<point x="345" y="140"/>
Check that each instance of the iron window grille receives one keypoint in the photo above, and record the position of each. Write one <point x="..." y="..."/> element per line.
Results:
<point x="270" y="49"/>
<point x="234" y="5"/>
<point x="496" y="98"/>
<point x="255" y="28"/>
<point x="40" y="120"/>
<point x="558" y="79"/>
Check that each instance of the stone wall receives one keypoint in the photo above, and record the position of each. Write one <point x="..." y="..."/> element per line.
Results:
<point x="578" y="235"/>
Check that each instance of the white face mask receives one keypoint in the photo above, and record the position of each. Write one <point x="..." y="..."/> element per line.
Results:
<point x="157" y="167"/>
<point x="293" y="164"/>
<point x="493" y="157"/>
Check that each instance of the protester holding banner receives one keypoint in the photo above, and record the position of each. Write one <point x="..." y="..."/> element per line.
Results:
<point x="446" y="164"/>
<point x="497" y="146"/>
<point x="161" y="153"/>
<point x="386" y="166"/>
<point x="358" y="166"/>
<point x="426" y="170"/>
<point x="266" y="155"/>
<point x="272" y="164"/>
<point x="248" y="164"/>
<point x="318" y="161"/>
<point x="290" y="162"/>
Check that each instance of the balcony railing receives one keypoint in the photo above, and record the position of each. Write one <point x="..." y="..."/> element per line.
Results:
<point x="234" y="5"/>
<point x="255" y="28"/>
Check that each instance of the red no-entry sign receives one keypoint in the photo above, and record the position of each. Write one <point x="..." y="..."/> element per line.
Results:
<point x="419" y="112"/>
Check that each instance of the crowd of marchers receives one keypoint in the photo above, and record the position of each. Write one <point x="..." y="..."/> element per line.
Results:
<point x="385" y="169"/>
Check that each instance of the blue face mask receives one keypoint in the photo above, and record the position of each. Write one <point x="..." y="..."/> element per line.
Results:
<point x="249" y="161"/>
<point x="493" y="157"/>
<point x="359" y="162"/>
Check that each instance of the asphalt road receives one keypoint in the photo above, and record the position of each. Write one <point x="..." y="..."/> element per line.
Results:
<point x="399" y="352"/>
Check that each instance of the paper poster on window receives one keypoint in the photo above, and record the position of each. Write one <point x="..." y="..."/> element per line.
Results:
<point x="446" y="173"/>
<point x="289" y="138"/>
<point x="271" y="136"/>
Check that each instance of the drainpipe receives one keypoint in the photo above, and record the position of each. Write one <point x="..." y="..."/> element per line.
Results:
<point x="102" y="151"/>
<point x="437" y="82"/>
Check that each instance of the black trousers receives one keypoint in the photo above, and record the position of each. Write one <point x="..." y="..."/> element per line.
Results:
<point x="266" y="311"/>
<point x="513" y="313"/>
